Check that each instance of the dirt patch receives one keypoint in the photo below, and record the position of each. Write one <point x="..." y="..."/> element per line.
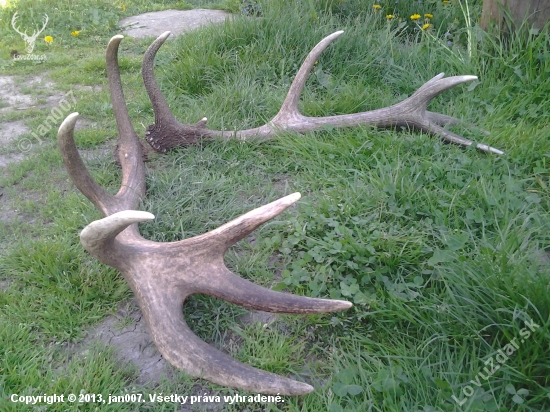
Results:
<point x="127" y="333"/>
<point x="15" y="92"/>
<point x="12" y="98"/>
<point x="7" y="213"/>
<point x="4" y="285"/>
<point x="9" y="131"/>
<point x="6" y="159"/>
<point x="176" y="21"/>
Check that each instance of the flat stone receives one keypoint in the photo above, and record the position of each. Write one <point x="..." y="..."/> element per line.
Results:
<point x="176" y="21"/>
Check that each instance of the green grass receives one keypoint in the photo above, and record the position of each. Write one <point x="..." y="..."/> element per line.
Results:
<point x="443" y="250"/>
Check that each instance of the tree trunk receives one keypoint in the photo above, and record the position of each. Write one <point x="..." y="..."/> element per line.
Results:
<point x="537" y="13"/>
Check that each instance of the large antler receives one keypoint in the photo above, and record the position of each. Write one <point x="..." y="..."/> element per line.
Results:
<point x="167" y="132"/>
<point x="163" y="275"/>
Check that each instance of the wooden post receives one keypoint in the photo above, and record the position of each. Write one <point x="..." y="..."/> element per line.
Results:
<point x="537" y="12"/>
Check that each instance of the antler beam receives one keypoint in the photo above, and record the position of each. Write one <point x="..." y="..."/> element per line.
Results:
<point x="168" y="133"/>
<point x="163" y="275"/>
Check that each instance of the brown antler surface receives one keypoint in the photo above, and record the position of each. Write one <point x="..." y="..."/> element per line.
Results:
<point x="163" y="275"/>
<point x="168" y="133"/>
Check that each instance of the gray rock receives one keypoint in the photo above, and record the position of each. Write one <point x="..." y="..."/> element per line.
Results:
<point x="177" y="21"/>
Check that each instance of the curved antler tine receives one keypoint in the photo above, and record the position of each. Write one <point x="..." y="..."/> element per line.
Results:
<point x="442" y="119"/>
<point x="235" y="230"/>
<point x="115" y="87"/>
<point x="184" y="350"/>
<point x="99" y="235"/>
<point x="130" y="153"/>
<point x="445" y="120"/>
<point x="488" y="149"/>
<point x="454" y="138"/>
<point x="77" y="170"/>
<point x="232" y="288"/>
<point x="290" y="105"/>
<point x="160" y="107"/>
<point x="437" y="85"/>
<point x="430" y="82"/>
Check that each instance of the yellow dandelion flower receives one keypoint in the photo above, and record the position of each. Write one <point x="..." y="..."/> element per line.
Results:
<point x="75" y="33"/>
<point x="426" y="26"/>
<point x="48" y="39"/>
<point x="123" y="7"/>
<point x="415" y="17"/>
<point x="429" y="16"/>
<point x="377" y="7"/>
<point x="389" y="16"/>
<point x="445" y="1"/>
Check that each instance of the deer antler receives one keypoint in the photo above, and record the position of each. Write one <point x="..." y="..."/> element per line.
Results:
<point x="167" y="132"/>
<point x="163" y="275"/>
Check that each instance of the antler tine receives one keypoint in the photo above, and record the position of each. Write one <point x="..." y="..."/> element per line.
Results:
<point x="77" y="170"/>
<point x="147" y="72"/>
<point x="437" y="85"/>
<point x="234" y="289"/>
<point x="168" y="328"/>
<point x="130" y="153"/>
<point x="237" y="229"/>
<point x="289" y="108"/>
<point x="98" y="238"/>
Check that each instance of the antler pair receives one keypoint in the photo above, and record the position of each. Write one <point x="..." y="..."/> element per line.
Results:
<point x="168" y="133"/>
<point x="163" y="275"/>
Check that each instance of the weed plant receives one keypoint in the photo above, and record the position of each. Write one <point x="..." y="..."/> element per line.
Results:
<point x="443" y="250"/>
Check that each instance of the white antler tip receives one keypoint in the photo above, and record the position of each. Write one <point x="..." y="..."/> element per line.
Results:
<point x="68" y="123"/>
<point x="134" y="215"/>
<point x="343" y="304"/>
<point x="116" y="39"/>
<point x="489" y="149"/>
<point x="294" y="197"/>
<point x="94" y="235"/>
